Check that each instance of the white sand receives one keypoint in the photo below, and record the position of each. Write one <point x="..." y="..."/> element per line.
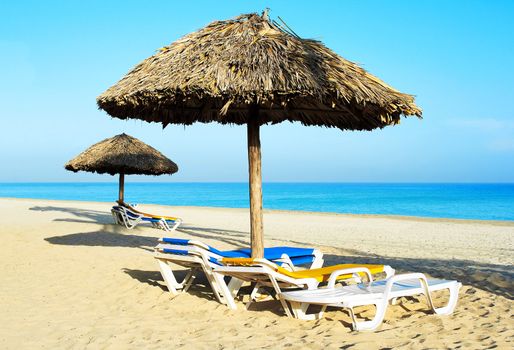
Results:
<point x="71" y="279"/>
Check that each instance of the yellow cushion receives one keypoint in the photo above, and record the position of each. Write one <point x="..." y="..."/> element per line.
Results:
<point x="321" y="274"/>
<point x="146" y="214"/>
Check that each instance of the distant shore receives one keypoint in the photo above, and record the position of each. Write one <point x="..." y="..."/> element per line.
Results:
<point x="300" y="212"/>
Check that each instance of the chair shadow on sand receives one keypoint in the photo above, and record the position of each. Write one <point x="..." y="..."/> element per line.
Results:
<point x="82" y="215"/>
<point x="495" y="278"/>
<point x="109" y="235"/>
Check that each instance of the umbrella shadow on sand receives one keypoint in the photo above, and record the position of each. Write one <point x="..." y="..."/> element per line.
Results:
<point x="105" y="238"/>
<point x="494" y="278"/>
<point x="80" y="215"/>
<point x="112" y="235"/>
<point x="109" y="234"/>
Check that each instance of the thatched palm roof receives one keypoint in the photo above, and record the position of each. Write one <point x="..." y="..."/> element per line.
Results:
<point x="214" y="74"/>
<point x="122" y="154"/>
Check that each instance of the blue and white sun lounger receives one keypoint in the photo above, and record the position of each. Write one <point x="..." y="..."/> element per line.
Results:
<point x="124" y="216"/>
<point x="282" y="255"/>
<point x="196" y="255"/>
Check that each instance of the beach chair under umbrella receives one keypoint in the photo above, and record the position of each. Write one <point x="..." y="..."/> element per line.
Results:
<point x="126" y="155"/>
<point x="254" y="71"/>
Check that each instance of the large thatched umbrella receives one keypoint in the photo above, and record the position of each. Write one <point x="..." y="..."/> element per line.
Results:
<point x="250" y="70"/>
<point x="122" y="154"/>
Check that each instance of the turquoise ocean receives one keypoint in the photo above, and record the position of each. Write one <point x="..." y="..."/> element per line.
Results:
<point x="459" y="201"/>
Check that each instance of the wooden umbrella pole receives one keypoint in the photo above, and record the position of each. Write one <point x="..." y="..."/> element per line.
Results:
<point x="122" y="188"/>
<point x="255" y="183"/>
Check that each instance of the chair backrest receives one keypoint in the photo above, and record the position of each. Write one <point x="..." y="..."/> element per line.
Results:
<point x="191" y="242"/>
<point x="250" y="262"/>
<point x="152" y="216"/>
<point x="122" y="210"/>
<point x="182" y="249"/>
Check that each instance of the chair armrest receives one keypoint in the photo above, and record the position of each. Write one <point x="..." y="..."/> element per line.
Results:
<point x="389" y="271"/>
<point x="286" y="262"/>
<point x="333" y="276"/>
<point x="405" y="276"/>
<point x="199" y="244"/>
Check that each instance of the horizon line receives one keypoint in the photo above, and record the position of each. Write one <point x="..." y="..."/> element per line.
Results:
<point x="268" y="182"/>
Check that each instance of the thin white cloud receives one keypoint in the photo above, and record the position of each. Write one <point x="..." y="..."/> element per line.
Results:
<point x="501" y="145"/>
<point x="484" y="124"/>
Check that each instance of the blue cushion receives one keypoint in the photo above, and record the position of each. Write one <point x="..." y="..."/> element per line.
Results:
<point x="144" y="218"/>
<point x="302" y="260"/>
<point x="175" y="251"/>
<point x="185" y="252"/>
<point x="134" y="215"/>
<point x="215" y="261"/>
<point x="276" y="252"/>
<point x="177" y="241"/>
<point x="231" y="253"/>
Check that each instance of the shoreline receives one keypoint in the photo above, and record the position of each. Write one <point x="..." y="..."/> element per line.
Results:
<point x="508" y="223"/>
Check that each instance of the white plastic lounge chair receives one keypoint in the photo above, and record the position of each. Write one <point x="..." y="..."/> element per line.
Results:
<point x="196" y="256"/>
<point x="265" y="273"/>
<point x="130" y="218"/>
<point x="378" y="293"/>
<point x="285" y="256"/>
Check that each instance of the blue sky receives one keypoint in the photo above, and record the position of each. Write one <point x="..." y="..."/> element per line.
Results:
<point x="457" y="57"/>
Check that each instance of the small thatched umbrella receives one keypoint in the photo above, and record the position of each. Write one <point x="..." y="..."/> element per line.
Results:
<point x="250" y="70"/>
<point x="122" y="154"/>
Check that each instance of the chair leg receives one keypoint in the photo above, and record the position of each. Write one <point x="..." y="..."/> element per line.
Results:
<point x="314" y="316"/>
<point x="175" y="225"/>
<point x="163" y="225"/>
<point x="255" y="291"/>
<point x="278" y="292"/>
<point x="300" y="311"/>
<point x="215" y="285"/>
<point x="169" y="277"/>
<point x="253" y="295"/>
<point x="234" y="285"/>
<point x="225" y="296"/>
<point x="295" y="307"/>
<point x="188" y="280"/>
<point x="452" y="301"/>
<point x="115" y="217"/>
<point x="381" y="308"/>
<point x="286" y="307"/>
<point x="129" y="223"/>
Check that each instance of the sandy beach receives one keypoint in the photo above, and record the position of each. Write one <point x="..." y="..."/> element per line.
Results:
<point x="70" y="278"/>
